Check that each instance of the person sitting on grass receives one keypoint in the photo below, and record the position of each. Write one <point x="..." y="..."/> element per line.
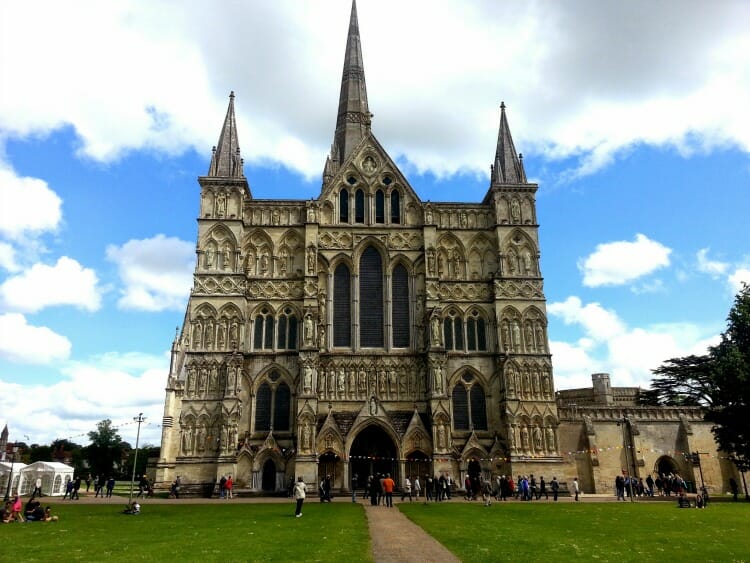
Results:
<point x="133" y="508"/>
<point x="699" y="502"/>
<point x="6" y="512"/>
<point x="683" y="501"/>
<point x="48" y="516"/>
<point x="34" y="511"/>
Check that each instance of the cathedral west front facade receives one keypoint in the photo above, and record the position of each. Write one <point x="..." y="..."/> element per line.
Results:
<point x="364" y="330"/>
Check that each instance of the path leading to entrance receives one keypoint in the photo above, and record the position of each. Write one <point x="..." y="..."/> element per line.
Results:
<point x="396" y="539"/>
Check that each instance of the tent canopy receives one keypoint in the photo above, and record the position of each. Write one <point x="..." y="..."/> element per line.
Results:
<point x="17" y="466"/>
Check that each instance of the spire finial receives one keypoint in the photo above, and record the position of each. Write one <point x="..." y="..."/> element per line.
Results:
<point x="508" y="167"/>
<point x="226" y="161"/>
<point x="354" y="117"/>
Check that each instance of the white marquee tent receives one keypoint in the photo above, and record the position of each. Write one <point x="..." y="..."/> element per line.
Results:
<point x="52" y="473"/>
<point x="5" y="470"/>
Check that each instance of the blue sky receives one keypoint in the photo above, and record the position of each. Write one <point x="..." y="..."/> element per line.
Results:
<point x="632" y="119"/>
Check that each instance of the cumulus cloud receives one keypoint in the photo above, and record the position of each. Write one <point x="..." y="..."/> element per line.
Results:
<point x="28" y="344"/>
<point x="28" y="205"/>
<point x="609" y="345"/>
<point x="8" y="257"/>
<point x="640" y="92"/>
<point x="156" y="273"/>
<point x="64" y="283"/>
<point x="621" y="262"/>
<point x="707" y="266"/>
<point x="117" y="386"/>
<point x="734" y="274"/>
<point x="739" y="277"/>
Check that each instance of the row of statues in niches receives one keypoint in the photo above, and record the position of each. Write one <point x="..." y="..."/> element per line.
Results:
<point x="203" y="438"/>
<point x="528" y="438"/>
<point x="359" y="383"/>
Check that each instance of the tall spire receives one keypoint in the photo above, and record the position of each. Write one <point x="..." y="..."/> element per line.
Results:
<point x="508" y="168"/>
<point x="226" y="160"/>
<point x="353" y="120"/>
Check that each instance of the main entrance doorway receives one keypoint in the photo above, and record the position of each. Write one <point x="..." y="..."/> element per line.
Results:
<point x="373" y="452"/>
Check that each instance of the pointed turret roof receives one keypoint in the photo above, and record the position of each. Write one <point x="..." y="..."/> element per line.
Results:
<point x="353" y="119"/>
<point x="508" y="167"/>
<point x="226" y="160"/>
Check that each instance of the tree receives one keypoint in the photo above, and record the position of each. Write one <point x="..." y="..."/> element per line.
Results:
<point x="718" y="381"/>
<point x="104" y="454"/>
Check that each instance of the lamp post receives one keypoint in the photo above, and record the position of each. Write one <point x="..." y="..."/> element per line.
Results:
<point x="140" y="418"/>
<point x="742" y="466"/>
<point x="13" y="452"/>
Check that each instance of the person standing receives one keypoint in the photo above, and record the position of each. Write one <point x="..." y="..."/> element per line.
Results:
<point x="76" y="488"/>
<point x="576" y="488"/>
<point x="417" y="487"/>
<point x="229" y="485"/>
<point x="388" y="486"/>
<point x="222" y="487"/>
<point x="37" y="487"/>
<point x="299" y="492"/>
<point x="88" y="482"/>
<point x="428" y="488"/>
<point x="110" y="486"/>
<point x="542" y="489"/>
<point x="177" y="487"/>
<point x="555" y="486"/>
<point x="620" y="487"/>
<point x="355" y="479"/>
<point x="407" y="490"/>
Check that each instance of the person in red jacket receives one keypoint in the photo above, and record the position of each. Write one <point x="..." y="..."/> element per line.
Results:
<point x="228" y="486"/>
<point x="388" y="486"/>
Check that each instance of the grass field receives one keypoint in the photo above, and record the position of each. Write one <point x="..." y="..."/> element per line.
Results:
<point x="586" y="531"/>
<point x="193" y="532"/>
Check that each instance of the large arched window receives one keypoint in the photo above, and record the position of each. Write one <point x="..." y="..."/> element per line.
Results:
<point x="263" y="408"/>
<point x="273" y="403"/>
<point x="359" y="206"/>
<point x="395" y="207"/>
<point x="371" y="299"/>
<point x="469" y="404"/>
<point x="379" y="207"/>
<point x="342" y="307"/>
<point x="478" y="408"/>
<point x="281" y="404"/>
<point x="476" y="337"/>
<point x="400" y="307"/>
<point x="343" y="206"/>
<point x="460" y="408"/>
<point x="263" y="336"/>
<point x="286" y="338"/>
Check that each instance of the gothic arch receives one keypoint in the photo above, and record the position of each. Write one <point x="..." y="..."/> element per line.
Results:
<point x="400" y="259"/>
<point x="263" y="377"/>
<point x="364" y="245"/>
<point x="380" y="423"/>
<point x="520" y="253"/>
<point x="482" y="258"/>
<point x="451" y="257"/>
<point x="341" y="258"/>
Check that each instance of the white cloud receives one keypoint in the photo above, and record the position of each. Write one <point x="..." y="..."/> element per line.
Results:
<point x="620" y="262"/>
<point x="711" y="267"/>
<point x="27" y="205"/>
<point x="156" y="272"/>
<point x="65" y="283"/>
<point x="8" y="257"/>
<point x="115" y="386"/>
<point x="609" y="345"/>
<point x="28" y="344"/>
<point x="738" y="277"/>
<point x="165" y="87"/>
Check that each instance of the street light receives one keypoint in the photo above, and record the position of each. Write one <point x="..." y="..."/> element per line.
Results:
<point x="140" y="418"/>
<point x="742" y="466"/>
<point x="13" y="452"/>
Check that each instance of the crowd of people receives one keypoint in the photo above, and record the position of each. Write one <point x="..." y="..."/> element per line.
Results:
<point x="14" y="511"/>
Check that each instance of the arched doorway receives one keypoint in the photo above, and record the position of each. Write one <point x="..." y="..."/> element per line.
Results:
<point x="666" y="465"/>
<point x="373" y="451"/>
<point x="268" y="479"/>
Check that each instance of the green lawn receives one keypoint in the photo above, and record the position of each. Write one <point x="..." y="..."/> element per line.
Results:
<point x="568" y="531"/>
<point x="210" y="532"/>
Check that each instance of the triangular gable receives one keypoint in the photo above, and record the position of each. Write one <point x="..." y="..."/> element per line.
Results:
<point x="472" y="445"/>
<point x="416" y="436"/>
<point x="372" y="408"/>
<point x="369" y="160"/>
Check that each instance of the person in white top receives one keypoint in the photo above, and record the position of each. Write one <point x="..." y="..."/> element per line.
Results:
<point x="300" y="490"/>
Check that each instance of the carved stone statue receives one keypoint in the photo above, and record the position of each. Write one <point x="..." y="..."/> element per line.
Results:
<point x="438" y="375"/>
<point x="431" y="262"/>
<point x="517" y="344"/>
<point x="435" y="330"/>
<point x="515" y="210"/>
<point x="311" y="259"/>
<point x="428" y="219"/>
<point x="308" y="331"/>
<point x="524" y="438"/>
<point x="307" y="378"/>
<point x="373" y="406"/>
<point x="538" y="446"/>
<point x="221" y="204"/>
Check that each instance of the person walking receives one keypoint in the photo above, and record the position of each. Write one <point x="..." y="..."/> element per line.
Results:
<point x="110" y="486"/>
<point x="542" y="489"/>
<point x="407" y="490"/>
<point x="576" y="488"/>
<point x="228" y="486"/>
<point x="555" y="486"/>
<point x="300" y="491"/>
<point x="222" y="487"/>
<point x="417" y="486"/>
<point x="388" y="486"/>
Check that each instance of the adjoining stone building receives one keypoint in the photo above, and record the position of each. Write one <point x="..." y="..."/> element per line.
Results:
<point x="365" y="330"/>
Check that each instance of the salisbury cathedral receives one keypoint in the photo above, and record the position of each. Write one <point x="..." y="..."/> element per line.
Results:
<point x="369" y="331"/>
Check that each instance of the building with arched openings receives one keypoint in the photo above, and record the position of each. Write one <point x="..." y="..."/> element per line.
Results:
<point x="365" y="330"/>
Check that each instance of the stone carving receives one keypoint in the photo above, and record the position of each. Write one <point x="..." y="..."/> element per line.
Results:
<point x="550" y="438"/>
<point x="531" y="289"/>
<point x="369" y="166"/>
<point x="274" y="290"/>
<point x="404" y="241"/>
<point x="308" y="330"/>
<point x="435" y="337"/>
<point x="336" y="240"/>
<point x="210" y="285"/>
<point x="312" y="258"/>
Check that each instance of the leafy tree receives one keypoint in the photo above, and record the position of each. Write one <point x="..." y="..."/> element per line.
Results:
<point x="105" y="452"/>
<point x="718" y="381"/>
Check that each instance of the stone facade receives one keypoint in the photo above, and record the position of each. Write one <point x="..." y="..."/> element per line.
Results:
<point x="365" y="330"/>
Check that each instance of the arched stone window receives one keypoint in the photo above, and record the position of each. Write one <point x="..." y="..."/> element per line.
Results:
<point x="453" y="331"/>
<point x="342" y="306"/>
<point x="395" y="207"/>
<point x="359" y="206"/>
<point x="263" y="336"/>
<point x="469" y="404"/>
<point x="286" y="337"/>
<point x="371" y="299"/>
<point x="379" y="207"/>
<point x="400" y="307"/>
<point x="263" y="408"/>
<point x="476" y="333"/>
<point x="273" y="403"/>
<point x="344" y="206"/>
